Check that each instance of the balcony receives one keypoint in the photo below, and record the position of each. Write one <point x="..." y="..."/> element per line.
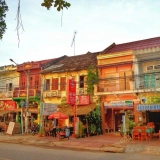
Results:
<point x="6" y="94"/>
<point x="81" y="91"/>
<point x="52" y="93"/>
<point x="117" y="86"/>
<point x="23" y="93"/>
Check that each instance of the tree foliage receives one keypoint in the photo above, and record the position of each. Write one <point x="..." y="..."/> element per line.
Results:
<point x="92" y="78"/>
<point x="3" y="10"/>
<point x="59" y="4"/>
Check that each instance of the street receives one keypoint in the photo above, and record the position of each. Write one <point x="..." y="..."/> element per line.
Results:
<point x="22" y="152"/>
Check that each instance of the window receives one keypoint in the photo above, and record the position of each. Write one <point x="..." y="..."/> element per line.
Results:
<point x="149" y="68"/>
<point x="63" y="83"/>
<point x="81" y="79"/>
<point x="111" y="79"/>
<point x="54" y="83"/>
<point x="36" y="82"/>
<point x="157" y="67"/>
<point x="47" y="84"/>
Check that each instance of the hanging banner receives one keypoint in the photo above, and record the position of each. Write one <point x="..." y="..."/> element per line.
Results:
<point x="71" y="92"/>
<point x="8" y="105"/>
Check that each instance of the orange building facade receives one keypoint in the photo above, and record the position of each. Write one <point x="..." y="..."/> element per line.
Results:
<point x="115" y="87"/>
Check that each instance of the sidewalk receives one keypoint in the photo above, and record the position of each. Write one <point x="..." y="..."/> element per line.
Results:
<point x="110" y="142"/>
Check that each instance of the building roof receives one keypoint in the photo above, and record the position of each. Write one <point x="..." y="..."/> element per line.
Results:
<point x="135" y="45"/>
<point x="72" y="63"/>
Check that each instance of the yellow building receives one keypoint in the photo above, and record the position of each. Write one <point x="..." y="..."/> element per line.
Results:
<point x="54" y="76"/>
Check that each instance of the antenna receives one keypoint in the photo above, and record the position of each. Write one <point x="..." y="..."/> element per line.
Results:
<point x="73" y="41"/>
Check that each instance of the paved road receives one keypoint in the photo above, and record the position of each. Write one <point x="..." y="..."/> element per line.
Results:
<point x="21" y="152"/>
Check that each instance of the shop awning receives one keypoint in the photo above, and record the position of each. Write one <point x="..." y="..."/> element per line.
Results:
<point x="4" y="112"/>
<point x="81" y="110"/>
<point x="148" y="107"/>
<point x="31" y="110"/>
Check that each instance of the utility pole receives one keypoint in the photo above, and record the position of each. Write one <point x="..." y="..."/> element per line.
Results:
<point x="27" y="101"/>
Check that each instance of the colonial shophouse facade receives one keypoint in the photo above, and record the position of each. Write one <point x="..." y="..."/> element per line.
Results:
<point x="129" y="79"/>
<point x="55" y="75"/>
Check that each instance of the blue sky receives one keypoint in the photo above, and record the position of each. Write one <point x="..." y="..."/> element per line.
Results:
<point x="98" y="24"/>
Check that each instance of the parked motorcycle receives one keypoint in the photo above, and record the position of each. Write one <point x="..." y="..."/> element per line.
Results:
<point x="34" y="129"/>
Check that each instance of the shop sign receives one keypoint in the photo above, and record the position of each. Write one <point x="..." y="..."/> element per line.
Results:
<point x="83" y="100"/>
<point x="71" y="92"/>
<point x="49" y="108"/>
<point x="8" y="105"/>
<point x="117" y="104"/>
<point x="150" y="99"/>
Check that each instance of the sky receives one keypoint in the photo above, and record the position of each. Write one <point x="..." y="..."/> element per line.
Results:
<point x="49" y="34"/>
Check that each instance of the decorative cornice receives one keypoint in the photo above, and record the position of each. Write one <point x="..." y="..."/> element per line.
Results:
<point x="146" y="50"/>
<point x="116" y="54"/>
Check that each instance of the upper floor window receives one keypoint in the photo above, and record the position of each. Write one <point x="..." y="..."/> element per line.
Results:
<point x="9" y="87"/>
<point x="157" y="67"/>
<point x="63" y="83"/>
<point x="47" y="84"/>
<point x="111" y="79"/>
<point x="82" y="81"/>
<point x="54" y="83"/>
<point x="149" y="68"/>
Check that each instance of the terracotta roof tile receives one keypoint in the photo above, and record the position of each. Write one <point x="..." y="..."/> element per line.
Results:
<point x="73" y="63"/>
<point x="135" y="45"/>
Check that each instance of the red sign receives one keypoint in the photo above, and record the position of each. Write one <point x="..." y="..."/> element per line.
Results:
<point x="71" y="92"/>
<point x="8" y="105"/>
<point x="84" y="100"/>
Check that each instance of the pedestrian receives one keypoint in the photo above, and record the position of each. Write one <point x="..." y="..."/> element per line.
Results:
<point x="54" y="128"/>
<point x="32" y="121"/>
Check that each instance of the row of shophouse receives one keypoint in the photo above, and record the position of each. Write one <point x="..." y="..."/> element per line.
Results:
<point x="129" y="82"/>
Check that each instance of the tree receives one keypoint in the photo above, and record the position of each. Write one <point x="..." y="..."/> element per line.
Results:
<point x="3" y="10"/>
<point x="59" y="4"/>
<point x="92" y="79"/>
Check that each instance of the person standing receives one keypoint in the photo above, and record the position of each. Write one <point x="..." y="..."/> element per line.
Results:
<point x="54" y="128"/>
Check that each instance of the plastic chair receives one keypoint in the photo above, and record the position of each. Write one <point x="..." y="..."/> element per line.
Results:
<point x="136" y="134"/>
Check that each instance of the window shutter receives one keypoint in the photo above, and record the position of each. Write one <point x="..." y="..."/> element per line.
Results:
<point x="54" y="83"/>
<point x="44" y="86"/>
<point x="63" y="84"/>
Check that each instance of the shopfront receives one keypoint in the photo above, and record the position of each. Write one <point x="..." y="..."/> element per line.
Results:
<point x="114" y="110"/>
<point x="7" y="110"/>
<point x="149" y="109"/>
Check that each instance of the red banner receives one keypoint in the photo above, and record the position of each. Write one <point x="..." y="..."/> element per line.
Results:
<point x="71" y="92"/>
<point x="8" y="105"/>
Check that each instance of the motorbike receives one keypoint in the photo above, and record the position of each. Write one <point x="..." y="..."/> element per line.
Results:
<point x="34" y="129"/>
<point x="64" y="134"/>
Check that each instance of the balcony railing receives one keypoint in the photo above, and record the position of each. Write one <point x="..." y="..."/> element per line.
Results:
<point x="81" y="91"/>
<point x="117" y="86"/>
<point x="23" y="93"/>
<point x="6" y="94"/>
<point x="137" y="84"/>
<point x="52" y="93"/>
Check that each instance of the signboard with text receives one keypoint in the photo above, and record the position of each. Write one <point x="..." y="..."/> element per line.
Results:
<point x="116" y="104"/>
<point x="49" y="108"/>
<point x="71" y="92"/>
<point x="8" y="105"/>
<point x="84" y="100"/>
